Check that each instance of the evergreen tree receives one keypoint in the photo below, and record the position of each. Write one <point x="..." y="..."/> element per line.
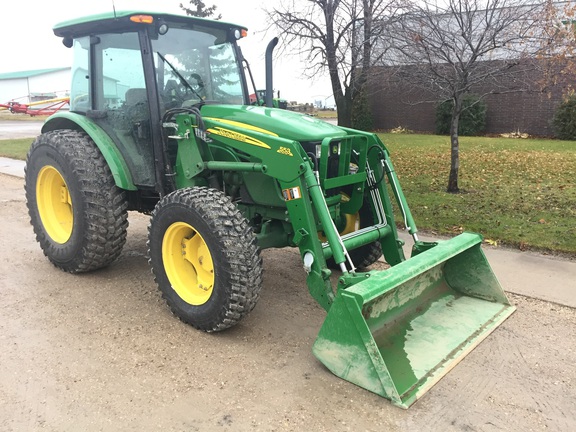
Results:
<point x="198" y="9"/>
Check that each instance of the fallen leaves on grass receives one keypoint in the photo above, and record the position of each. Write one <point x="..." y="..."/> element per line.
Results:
<point x="522" y="188"/>
<point x="401" y="130"/>
<point x="516" y="134"/>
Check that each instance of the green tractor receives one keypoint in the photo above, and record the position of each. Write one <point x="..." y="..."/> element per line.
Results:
<point x="160" y="122"/>
<point x="259" y="98"/>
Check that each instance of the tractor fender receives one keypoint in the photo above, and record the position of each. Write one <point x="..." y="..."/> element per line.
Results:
<point x="113" y="157"/>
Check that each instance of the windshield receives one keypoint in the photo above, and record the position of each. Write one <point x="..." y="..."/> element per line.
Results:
<point x="197" y="65"/>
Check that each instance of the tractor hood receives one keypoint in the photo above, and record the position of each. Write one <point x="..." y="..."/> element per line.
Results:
<point x="286" y="124"/>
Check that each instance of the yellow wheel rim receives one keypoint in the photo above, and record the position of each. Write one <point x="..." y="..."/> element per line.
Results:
<point x="54" y="204"/>
<point x="352" y="221"/>
<point x="188" y="263"/>
<point x="352" y="224"/>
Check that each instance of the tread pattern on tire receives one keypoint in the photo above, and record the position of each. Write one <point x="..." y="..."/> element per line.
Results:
<point x="368" y="256"/>
<point x="241" y="270"/>
<point x="362" y="257"/>
<point x="104" y="206"/>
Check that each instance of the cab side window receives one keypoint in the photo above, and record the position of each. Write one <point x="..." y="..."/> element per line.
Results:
<point x="80" y="90"/>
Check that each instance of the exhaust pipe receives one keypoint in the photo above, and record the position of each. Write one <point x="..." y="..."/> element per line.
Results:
<point x="269" y="86"/>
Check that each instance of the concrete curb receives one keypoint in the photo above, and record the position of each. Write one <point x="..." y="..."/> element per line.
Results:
<point x="12" y="167"/>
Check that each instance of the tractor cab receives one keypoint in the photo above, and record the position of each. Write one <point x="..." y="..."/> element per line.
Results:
<point x="131" y="68"/>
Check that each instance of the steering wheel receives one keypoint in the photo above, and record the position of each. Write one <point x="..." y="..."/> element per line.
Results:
<point x="198" y="90"/>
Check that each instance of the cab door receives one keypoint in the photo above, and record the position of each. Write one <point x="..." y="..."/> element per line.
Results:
<point x="120" y="101"/>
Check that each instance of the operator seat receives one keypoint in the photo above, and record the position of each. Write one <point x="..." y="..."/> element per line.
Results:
<point x="172" y="95"/>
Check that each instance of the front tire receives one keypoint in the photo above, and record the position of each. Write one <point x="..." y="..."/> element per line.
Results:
<point x="78" y="214"/>
<point x="204" y="257"/>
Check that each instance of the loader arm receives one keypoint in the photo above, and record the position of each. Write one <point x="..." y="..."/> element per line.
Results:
<point x="306" y="211"/>
<point x="307" y="187"/>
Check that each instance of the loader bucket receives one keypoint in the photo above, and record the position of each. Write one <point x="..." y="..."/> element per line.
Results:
<point x="400" y="330"/>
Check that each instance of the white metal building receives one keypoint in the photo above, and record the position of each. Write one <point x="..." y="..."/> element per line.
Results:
<point x="26" y="85"/>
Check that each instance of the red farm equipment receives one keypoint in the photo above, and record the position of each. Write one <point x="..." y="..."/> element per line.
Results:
<point x="39" y="108"/>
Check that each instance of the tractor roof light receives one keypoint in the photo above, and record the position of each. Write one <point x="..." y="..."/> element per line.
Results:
<point x="163" y="28"/>
<point x="240" y="33"/>
<point x="143" y="19"/>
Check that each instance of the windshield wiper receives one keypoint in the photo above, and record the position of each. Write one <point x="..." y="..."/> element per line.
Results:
<point x="180" y="77"/>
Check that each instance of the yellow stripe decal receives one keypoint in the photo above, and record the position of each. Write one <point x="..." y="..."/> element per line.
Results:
<point x="242" y="125"/>
<point x="238" y="137"/>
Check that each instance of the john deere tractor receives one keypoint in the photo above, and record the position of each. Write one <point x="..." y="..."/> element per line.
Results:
<point x="160" y="122"/>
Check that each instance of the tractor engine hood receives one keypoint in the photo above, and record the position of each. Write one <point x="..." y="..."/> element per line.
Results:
<point x="286" y="124"/>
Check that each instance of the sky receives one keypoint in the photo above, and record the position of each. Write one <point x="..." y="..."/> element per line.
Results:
<point x="27" y="41"/>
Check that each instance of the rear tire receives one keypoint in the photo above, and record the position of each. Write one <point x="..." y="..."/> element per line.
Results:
<point x="78" y="214"/>
<point x="204" y="257"/>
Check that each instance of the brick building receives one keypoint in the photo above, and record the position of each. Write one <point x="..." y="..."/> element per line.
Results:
<point x="395" y="102"/>
<point x="498" y="52"/>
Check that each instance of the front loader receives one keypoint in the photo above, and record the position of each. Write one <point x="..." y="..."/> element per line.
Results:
<point x="160" y="122"/>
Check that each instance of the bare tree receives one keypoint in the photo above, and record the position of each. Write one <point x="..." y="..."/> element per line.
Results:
<point x="334" y="36"/>
<point x="450" y="47"/>
<point x="558" y="54"/>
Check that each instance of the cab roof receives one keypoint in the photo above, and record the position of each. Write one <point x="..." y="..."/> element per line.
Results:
<point x="120" y="21"/>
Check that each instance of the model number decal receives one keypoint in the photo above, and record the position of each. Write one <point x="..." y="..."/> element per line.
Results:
<point x="285" y="151"/>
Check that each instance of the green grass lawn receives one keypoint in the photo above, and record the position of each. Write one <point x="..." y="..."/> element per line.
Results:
<point x="15" y="148"/>
<point x="515" y="192"/>
<point x="326" y="114"/>
<point x="7" y="115"/>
